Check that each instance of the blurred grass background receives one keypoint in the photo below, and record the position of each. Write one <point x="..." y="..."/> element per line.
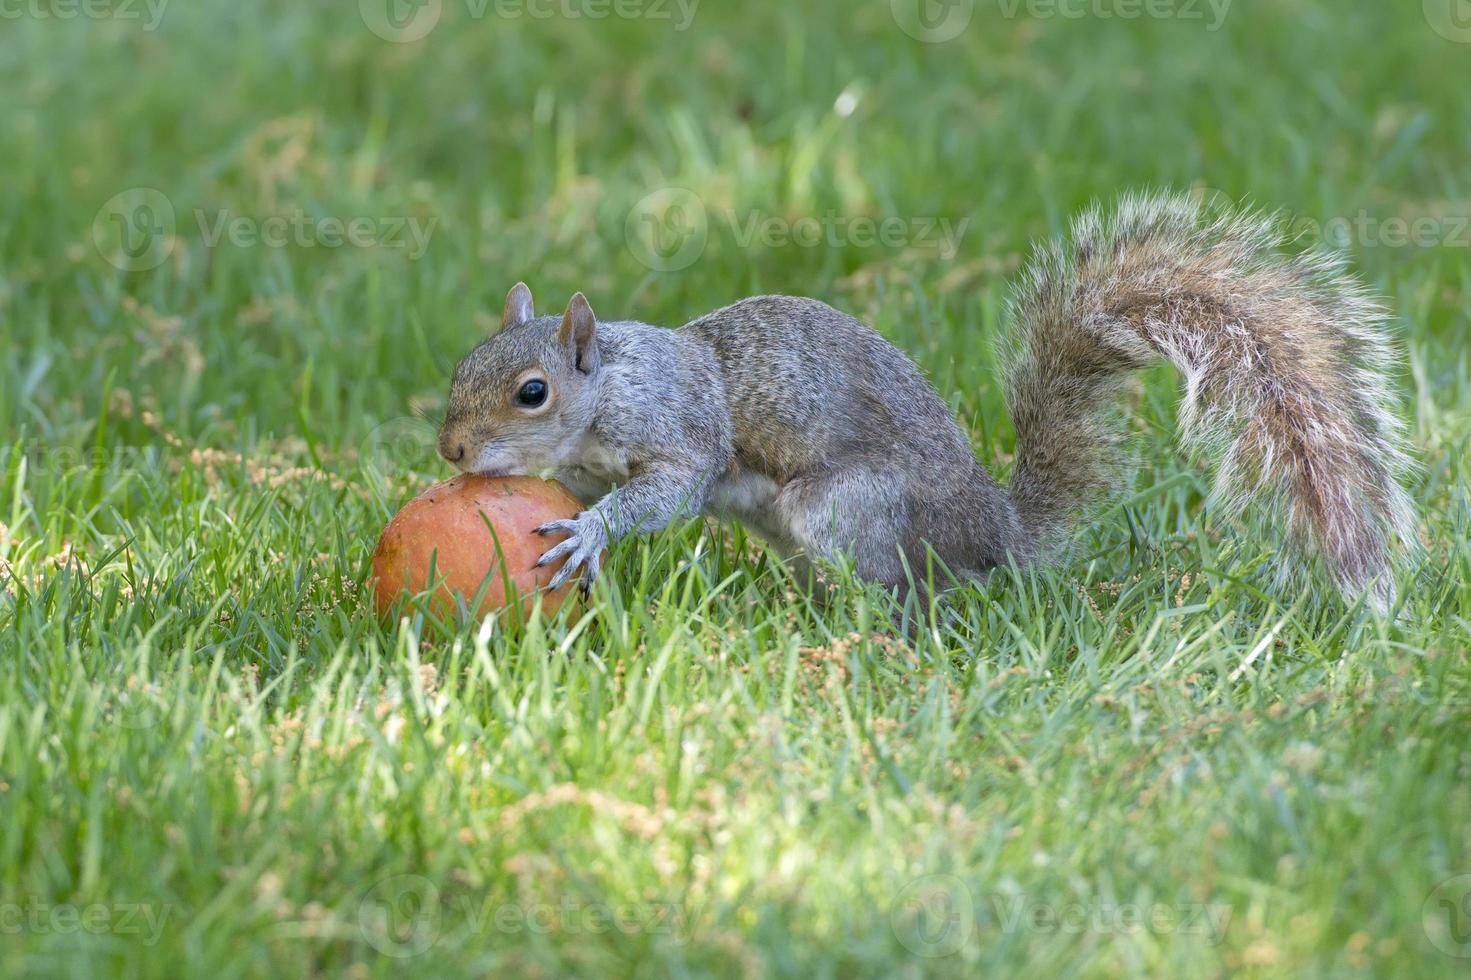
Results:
<point x="199" y="716"/>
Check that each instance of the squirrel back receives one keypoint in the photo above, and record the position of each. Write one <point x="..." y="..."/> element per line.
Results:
<point x="809" y="384"/>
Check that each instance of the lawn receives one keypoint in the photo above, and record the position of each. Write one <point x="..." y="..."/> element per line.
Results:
<point x="242" y="246"/>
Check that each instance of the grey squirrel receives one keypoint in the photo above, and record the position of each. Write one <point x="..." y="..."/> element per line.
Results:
<point x="808" y="427"/>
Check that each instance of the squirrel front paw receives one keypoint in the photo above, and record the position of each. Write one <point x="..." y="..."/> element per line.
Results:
<point x="587" y="539"/>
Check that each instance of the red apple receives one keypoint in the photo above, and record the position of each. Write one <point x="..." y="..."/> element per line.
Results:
<point x="450" y="526"/>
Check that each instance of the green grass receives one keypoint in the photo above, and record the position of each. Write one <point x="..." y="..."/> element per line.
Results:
<point x="215" y="762"/>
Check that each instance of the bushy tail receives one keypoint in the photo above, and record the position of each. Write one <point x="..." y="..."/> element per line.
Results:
<point x="1285" y="359"/>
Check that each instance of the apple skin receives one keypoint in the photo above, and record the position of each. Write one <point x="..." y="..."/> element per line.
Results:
<point x="447" y="524"/>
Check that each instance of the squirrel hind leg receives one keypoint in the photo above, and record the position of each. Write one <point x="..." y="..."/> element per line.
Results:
<point x="858" y="512"/>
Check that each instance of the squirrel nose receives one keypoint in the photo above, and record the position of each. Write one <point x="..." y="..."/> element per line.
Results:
<point x="452" y="452"/>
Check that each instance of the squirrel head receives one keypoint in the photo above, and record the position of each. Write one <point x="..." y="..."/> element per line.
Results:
<point x="522" y="400"/>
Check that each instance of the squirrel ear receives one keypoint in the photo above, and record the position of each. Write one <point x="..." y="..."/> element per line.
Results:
<point x="579" y="333"/>
<point x="519" y="308"/>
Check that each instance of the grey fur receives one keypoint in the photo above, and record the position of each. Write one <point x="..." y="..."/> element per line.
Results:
<point x="810" y="428"/>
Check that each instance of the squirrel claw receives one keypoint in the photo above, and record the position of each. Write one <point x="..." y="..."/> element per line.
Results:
<point x="560" y="579"/>
<point x="582" y="549"/>
<point x="565" y="548"/>
<point x="589" y="576"/>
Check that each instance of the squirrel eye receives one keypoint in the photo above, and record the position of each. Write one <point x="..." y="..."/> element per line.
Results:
<point x="533" y="394"/>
